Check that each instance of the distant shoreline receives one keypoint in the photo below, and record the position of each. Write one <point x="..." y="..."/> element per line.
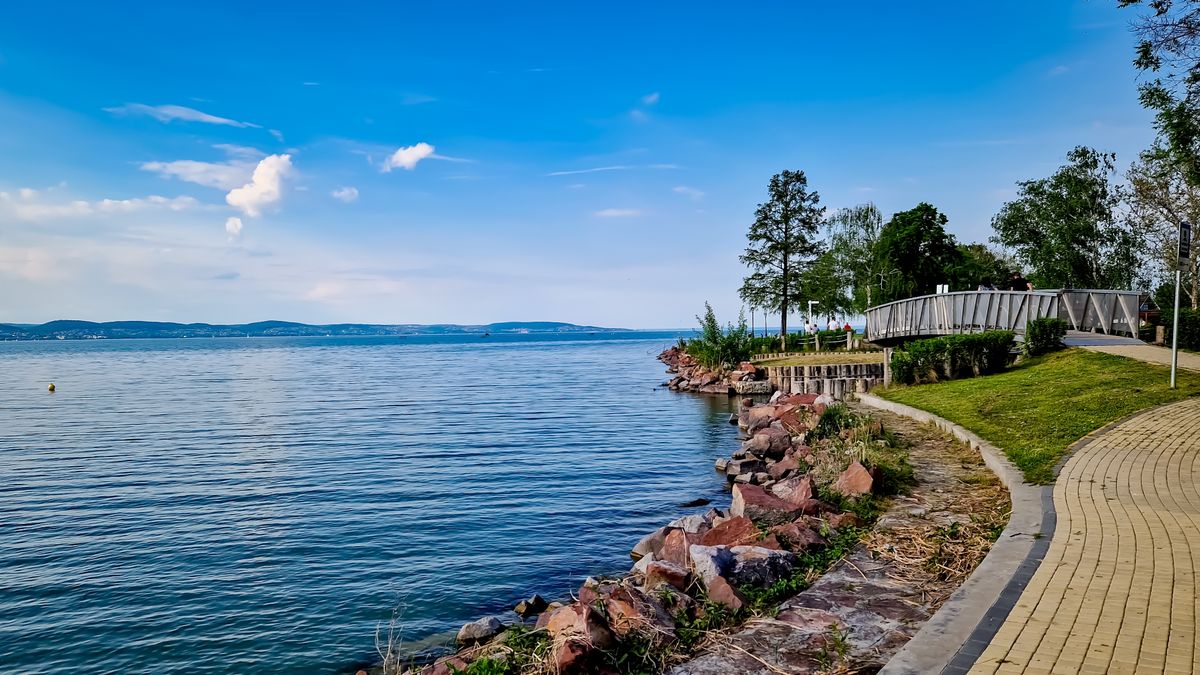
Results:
<point x="89" y="330"/>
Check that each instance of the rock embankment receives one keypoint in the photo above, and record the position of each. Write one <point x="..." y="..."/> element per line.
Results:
<point x="795" y="479"/>
<point x="689" y="375"/>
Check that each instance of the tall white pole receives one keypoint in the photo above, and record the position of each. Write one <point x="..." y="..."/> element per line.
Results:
<point x="1175" y="328"/>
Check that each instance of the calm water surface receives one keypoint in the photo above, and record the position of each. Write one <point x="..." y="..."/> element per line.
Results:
<point x="260" y="505"/>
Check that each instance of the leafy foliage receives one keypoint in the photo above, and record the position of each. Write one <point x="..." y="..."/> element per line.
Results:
<point x="1066" y="228"/>
<point x="917" y="253"/>
<point x="952" y="357"/>
<point x="853" y="236"/>
<point x="717" y="346"/>
<point x="1044" y="335"/>
<point x="1169" y="51"/>
<point x="1160" y="198"/>
<point x="1189" y="327"/>
<point x="782" y="242"/>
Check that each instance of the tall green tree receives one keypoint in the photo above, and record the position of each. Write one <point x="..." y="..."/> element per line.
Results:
<point x="1067" y="228"/>
<point x="782" y="243"/>
<point x="1160" y="199"/>
<point x="980" y="264"/>
<point x="917" y="253"/>
<point x="853" y="234"/>
<point x="1168" y="53"/>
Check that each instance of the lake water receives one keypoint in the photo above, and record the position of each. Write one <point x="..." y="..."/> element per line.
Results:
<point x="261" y="505"/>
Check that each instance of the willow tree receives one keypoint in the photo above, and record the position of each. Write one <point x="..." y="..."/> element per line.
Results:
<point x="782" y="244"/>
<point x="1160" y="200"/>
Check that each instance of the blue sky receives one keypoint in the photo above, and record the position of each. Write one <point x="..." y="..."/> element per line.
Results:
<point x="469" y="163"/>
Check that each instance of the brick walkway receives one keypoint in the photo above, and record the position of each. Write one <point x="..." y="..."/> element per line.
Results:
<point x="1148" y="353"/>
<point x="1116" y="592"/>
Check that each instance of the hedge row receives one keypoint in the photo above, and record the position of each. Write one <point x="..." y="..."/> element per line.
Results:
<point x="952" y="357"/>
<point x="1189" y="327"/>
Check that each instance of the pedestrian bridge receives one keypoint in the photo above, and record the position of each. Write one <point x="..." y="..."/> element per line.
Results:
<point x="1092" y="311"/>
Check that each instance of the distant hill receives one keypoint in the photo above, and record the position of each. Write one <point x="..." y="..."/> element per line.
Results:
<point x="90" y="330"/>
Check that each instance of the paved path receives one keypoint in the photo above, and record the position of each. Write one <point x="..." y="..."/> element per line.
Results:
<point x="1149" y="353"/>
<point x="1116" y="592"/>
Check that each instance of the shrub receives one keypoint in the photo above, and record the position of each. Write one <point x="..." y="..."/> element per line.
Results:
<point x="1043" y="336"/>
<point x="952" y="357"/>
<point x="1189" y="327"/>
<point x="717" y="346"/>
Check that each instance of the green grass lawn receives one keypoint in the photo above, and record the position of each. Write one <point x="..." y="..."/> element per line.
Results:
<point x="1036" y="410"/>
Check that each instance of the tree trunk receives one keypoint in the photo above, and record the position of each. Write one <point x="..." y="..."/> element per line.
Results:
<point x="783" y="307"/>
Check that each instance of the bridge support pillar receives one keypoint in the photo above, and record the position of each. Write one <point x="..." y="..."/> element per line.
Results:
<point x="887" y="366"/>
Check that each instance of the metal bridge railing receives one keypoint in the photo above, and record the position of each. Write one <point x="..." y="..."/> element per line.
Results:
<point x="1101" y="311"/>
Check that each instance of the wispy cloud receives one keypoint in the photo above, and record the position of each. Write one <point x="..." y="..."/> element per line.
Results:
<point x="978" y="143"/>
<point x="691" y="192"/>
<point x="219" y="175"/>
<point x="265" y="188"/>
<point x="346" y="194"/>
<point x="311" y="84"/>
<point x="614" y="167"/>
<point x="1058" y="70"/>
<point x="35" y="205"/>
<point x="416" y="99"/>
<point x="617" y="213"/>
<point x="171" y="113"/>
<point x="650" y="99"/>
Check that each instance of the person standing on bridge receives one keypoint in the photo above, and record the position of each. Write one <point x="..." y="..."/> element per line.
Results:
<point x="1016" y="282"/>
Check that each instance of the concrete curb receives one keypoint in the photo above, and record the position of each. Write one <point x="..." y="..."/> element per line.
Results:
<point x="953" y="638"/>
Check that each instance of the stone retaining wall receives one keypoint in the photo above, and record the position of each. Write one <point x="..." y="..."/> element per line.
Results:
<point x="835" y="380"/>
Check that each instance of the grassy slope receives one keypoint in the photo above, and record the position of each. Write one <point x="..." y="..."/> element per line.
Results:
<point x="1036" y="410"/>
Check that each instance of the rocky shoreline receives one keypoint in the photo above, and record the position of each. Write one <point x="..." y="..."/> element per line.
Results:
<point x="803" y="483"/>
<point x="689" y="375"/>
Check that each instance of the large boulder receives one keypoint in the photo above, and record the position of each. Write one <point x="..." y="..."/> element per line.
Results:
<point x="854" y="481"/>
<point x="795" y="490"/>
<point x="736" y="531"/>
<point x="759" y="567"/>
<point x="722" y="592"/>
<point x="748" y="465"/>
<point x="480" y="630"/>
<point x="778" y="441"/>
<point x="709" y="562"/>
<point x="649" y="543"/>
<point x="797" y="537"/>
<point x="579" y="625"/>
<point x="692" y="524"/>
<point x="783" y="467"/>
<point x="755" y="503"/>
<point x="663" y="573"/>
<point x="759" y="417"/>
<point x="675" y="547"/>
<point x="629" y="610"/>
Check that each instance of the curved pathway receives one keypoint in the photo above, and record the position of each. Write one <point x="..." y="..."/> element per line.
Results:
<point x="1116" y="592"/>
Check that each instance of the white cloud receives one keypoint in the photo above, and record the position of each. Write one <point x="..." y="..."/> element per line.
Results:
<point x="243" y="152"/>
<point x="220" y="175"/>
<point x="345" y="194"/>
<point x="1059" y="70"/>
<point x="170" y="113"/>
<point x="265" y="188"/>
<point x="638" y="116"/>
<point x="650" y="99"/>
<point x="617" y="213"/>
<point x="31" y="205"/>
<point x="598" y="169"/>
<point x="407" y="157"/>
<point x="688" y="191"/>
<point x="233" y="226"/>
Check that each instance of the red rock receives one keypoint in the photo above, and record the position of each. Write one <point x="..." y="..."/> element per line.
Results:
<point x="794" y="421"/>
<point x="662" y="573"/>
<point x="747" y="367"/>
<point x="770" y="542"/>
<point x="740" y="466"/>
<point x="796" y="537"/>
<point x="630" y="610"/>
<point x="799" y="399"/>
<point x="578" y="622"/>
<point x="721" y="592"/>
<point x="733" y="532"/>
<point x="759" y="417"/>
<point x="781" y="468"/>
<point x="675" y="547"/>
<point x="758" y="505"/>
<point x="839" y="520"/>
<point x="854" y="481"/>
<point x="650" y="543"/>
<point x="811" y="621"/>
<point x="778" y="440"/>
<point x="594" y="589"/>
<point x="544" y="617"/>
<point x="795" y="490"/>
